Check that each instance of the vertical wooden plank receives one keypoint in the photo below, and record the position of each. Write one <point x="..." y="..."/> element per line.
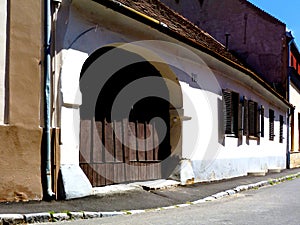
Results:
<point x="125" y="126"/>
<point x="116" y="173"/>
<point x="86" y="168"/>
<point x="141" y="141"/>
<point x="101" y="170"/>
<point x="149" y="173"/>
<point x="109" y="173"/>
<point x="128" y="172"/>
<point x="155" y="143"/>
<point x="90" y="173"/>
<point x="119" y="173"/>
<point x="134" y="171"/>
<point x="159" y="172"/>
<point x="156" y="171"/>
<point x="95" y="175"/>
<point x="109" y="142"/>
<point x="97" y="142"/>
<point x="142" y="171"/>
<point x="149" y="142"/>
<point x="82" y="166"/>
<point x="126" y="149"/>
<point x="118" y="141"/>
<point x="132" y="145"/>
<point x="152" y="173"/>
<point x="85" y="140"/>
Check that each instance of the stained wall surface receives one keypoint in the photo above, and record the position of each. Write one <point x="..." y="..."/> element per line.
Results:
<point x="253" y="35"/>
<point x="21" y="137"/>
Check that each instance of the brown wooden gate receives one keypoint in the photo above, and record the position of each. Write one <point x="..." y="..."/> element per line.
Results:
<point x="119" y="151"/>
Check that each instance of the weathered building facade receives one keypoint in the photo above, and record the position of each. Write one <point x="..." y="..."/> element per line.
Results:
<point x="20" y="100"/>
<point x="257" y="38"/>
<point x="204" y="82"/>
<point x="137" y="92"/>
<point x="294" y="99"/>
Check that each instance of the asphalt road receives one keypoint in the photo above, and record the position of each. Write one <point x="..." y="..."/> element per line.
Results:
<point x="278" y="204"/>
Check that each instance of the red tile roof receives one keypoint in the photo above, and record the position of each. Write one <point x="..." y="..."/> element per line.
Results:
<point x="176" y="24"/>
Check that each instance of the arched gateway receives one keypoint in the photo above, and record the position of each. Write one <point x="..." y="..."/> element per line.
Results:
<point x="129" y="128"/>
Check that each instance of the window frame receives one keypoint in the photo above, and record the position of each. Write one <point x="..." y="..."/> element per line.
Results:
<point x="231" y="110"/>
<point x="281" y="122"/>
<point x="271" y="124"/>
<point x="262" y="121"/>
<point x="253" y="120"/>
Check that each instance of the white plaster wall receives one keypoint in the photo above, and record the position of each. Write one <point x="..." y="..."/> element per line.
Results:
<point x="76" y="50"/>
<point x="226" y="160"/>
<point x="83" y="36"/>
<point x="3" y="20"/>
<point x="295" y="101"/>
<point x="71" y="100"/>
<point x="203" y="134"/>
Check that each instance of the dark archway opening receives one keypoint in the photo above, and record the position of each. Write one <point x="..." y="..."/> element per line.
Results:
<point x="108" y="153"/>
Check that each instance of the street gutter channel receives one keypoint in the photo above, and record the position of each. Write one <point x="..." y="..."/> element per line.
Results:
<point x="7" y="219"/>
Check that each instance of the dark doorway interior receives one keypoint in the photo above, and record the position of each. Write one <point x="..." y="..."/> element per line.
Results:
<point x="122" y="148"/>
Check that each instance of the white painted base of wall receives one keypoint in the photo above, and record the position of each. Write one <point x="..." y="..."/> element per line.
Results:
<point x="74" y="181"/>
<point x="219" y="169"/>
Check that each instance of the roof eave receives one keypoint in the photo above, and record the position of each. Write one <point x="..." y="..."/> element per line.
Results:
<point x="119" y="7"/>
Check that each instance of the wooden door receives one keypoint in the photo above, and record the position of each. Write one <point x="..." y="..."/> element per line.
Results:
<point x="119" y="151"/>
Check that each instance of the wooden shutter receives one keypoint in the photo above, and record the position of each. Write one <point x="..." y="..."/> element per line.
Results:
<point x="271" y="125"/>
<point x="280" y="129"/>
<point x="240" y="129"/>
<point x="262" y="121"/>
<point x="231" y="111"/>
<point x="235" y="112"/>
<point x="257" y="131"/>
<point x="251" y="119"/>
<point x="245" y="127"/>
<point x="228" y="122"/>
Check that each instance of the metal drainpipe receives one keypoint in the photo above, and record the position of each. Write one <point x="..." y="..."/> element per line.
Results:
<point x="47" y="95"/>
<point x="288" y="157"/>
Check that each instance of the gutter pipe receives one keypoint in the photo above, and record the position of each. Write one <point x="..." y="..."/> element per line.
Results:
<point x="47" y="97"/>
<point x="288" y="152"/>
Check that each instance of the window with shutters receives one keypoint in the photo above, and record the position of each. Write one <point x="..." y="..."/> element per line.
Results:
<point x="280" y="129"/>
<point x="231" y="112"/>
<point x="262" y="121"/>
<point x="246" y="121"/>
<point x="253" y="119"/>
<point x="271" y="125"/>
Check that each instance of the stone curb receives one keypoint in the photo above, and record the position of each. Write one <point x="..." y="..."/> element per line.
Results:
<point x="12" y="219"/>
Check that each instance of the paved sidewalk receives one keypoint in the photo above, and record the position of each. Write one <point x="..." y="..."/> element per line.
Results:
<point x="136" y="198"/>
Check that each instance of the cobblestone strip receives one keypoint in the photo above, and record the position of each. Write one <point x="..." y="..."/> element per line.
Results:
<point x="12" y="219"/>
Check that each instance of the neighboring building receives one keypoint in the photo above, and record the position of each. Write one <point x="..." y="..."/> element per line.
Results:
<point x="20" y="100"/>
<point x="294" y="98"/>
<point x="190" y="109"/>
<point x="248" y="32"/>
